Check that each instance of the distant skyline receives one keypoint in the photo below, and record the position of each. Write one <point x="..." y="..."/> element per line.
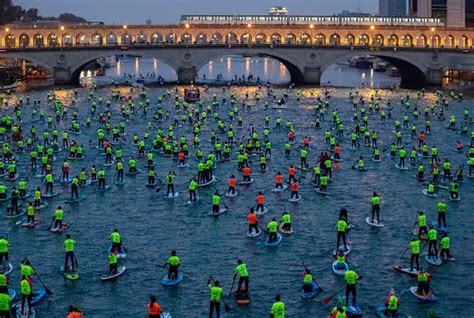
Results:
<point x="169" y="11"/>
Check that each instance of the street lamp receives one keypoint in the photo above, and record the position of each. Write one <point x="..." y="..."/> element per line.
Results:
<point x="249" y="25"/>
<point x="186" y="25"/>
<point x="7" y="30"/>
<point x="432" y="36"/>
<point x="62" y="28"/>
<point x="124" y="26"/>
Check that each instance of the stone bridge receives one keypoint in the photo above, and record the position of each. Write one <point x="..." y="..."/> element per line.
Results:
<point x="306" y="64"/>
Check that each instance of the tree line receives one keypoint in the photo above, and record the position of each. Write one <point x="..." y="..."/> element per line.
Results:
<point x="9" y="12"/>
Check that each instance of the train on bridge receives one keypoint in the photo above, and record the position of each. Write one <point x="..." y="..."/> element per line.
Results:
<point x="311" y="20"/>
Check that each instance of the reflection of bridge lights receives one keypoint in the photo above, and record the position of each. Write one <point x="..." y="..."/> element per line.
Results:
<point x="155" y="64"/>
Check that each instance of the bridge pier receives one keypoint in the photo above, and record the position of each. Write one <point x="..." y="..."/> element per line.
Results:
<point x="312" y="75"/>
<point x="434" y="76"/>
<point x="187" y="74"/>
<point x="62" y="75"/>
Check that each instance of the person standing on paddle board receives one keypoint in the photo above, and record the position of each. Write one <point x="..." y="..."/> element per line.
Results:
<point x="414" y="247"/>
<point x="154" y="309"/>
<point x="116" y="241"/>
<point x="246" y="173"/>
<point x="291" y="174"/>
<point x="193" y="185"/>
<point x="215" y="302"/>
<point x="286" y="221"/>
<point x="119" y="168"/>
<point x="216" y="200"/>
<point x="260" y="202"/>
<point x="278" y="180"/>
<point x="340" y="310"/>
<point x="241" y="270"/>
<point x="101" y="178"/>
<point x="58" y="218"/>
<point x="74" y="188"/>
<point x="421" y="221"/>
<point x="253" y="222"/>
<point x="294" y="190"/>
<point x="4" y="247"/>
<point x="341" y="233"/>
<point x="424" y="279"/>
<point x="272" y="228"/>
<point x="30" y="213"/>
<point x="350" y="277"/>
<point x="48" y="180"/>
<point x="432" y="242"/>
<point x="169" y="180"/>
<point x="278" y="308"/>
<point x="232" y="182"/>
<point x="444" y="246"/>
<point x="375" y="202"/>
<point x="26" y="294"/>
<point x="69" y="249"/>
<point x="173" y="264"/>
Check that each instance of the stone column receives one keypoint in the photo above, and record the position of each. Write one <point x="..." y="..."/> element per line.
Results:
<point x="434" y="76"/>
<point x="62" y="75"/>
<point x="187" y="74"/>
<point x="312" y="75"/>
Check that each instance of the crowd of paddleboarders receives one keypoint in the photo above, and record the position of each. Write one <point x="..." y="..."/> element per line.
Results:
<point x="210" y="132"/>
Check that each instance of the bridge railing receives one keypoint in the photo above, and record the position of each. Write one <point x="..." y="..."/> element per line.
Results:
<point x="148" y="45"/>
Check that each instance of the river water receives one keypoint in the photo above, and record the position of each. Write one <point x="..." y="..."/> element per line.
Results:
<point x="237" y="67"/>
<point x="151" y="226"/>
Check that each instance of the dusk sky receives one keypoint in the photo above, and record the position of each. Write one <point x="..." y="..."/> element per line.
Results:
<point x="169" y="11"/>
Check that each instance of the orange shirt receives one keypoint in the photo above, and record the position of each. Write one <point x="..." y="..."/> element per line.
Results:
<point x="260" y="199"/>
<point x="154" y="310"/>
<point x="306" y="141"/>
<point x="337" y="149"/>
<point x="246" y="171"/>
<point x="278" y="179"/>
<point x="292" y="171"/>
<point x="181" y="156"/>
<point x="232" y="182"/>
<point x="294" y="186"/>
<point x="290" y="134"/>
<point x="252" y="218"/>
<point x="75" y="314"/>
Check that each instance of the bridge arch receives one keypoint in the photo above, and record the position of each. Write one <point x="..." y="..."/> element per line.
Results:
<point x="171" y="37"/>
<point x="186" y="38"/>
<point x="305" y="38"/>
<point x="407" y="40"/>
<point x="296" y="74"/>
<point x="261" y="38"/>
<point x="275" y="38"/>
<point x="392" y="40"/>
<point x="142" y="38"/>
<point x="411" y="71"/>
<point x="231" y="38"/>
<point x="79" y="65"/>
<point x="201" y="38"/>
<point x="52" y="39"/>
<point x="378" y="40"/>
<point x="349" y="39"/>
<point x="450" y="41"/>
<point x="290" y="38"/>
<point x="126" y="38"/>
<point x="464" y="43"/>
<point x="364" y="39"/>
<point x="10" y="40"/>
<point x="156" y="38"/>
<point x="217" y="38"/>
<point x="38" y="40"/>
<point x="67" y="39"/>
<point x="334" y="39"/>
<point x="246" y="38"/>
<point x="24" y="40"/>
<point x="319" y="39"/>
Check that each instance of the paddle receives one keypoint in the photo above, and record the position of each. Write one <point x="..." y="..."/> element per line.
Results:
<point x="306" y="269"/>
<point x="48" y="291"/>
<point x="232" y="287"/>
<point x="404" y="252"/>
<point x="226" y="307"/>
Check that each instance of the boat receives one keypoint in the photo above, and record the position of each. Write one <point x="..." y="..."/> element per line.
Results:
<point x="393" y="71"/>
<point x="11" y="86"/>
<point x="380" y="66"/>
<point x="364" y="63"/>
<point x="192" y="94"/>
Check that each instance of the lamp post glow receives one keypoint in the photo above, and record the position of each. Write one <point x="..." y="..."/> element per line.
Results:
<point x="7" y="30"/>
<point x="186" y="26"/>
<point x="124" y="26"/>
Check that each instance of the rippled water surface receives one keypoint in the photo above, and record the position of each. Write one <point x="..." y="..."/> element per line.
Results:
<point x="151" y="225"/>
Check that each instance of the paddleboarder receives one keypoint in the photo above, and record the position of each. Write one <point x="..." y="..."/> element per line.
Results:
<point x="285" y="221"/>
<point x="253" y="222"/>
<point x="350" y="277"/>
<point x="375" y="202"/>
<point x="272" y="229"/>
<point x="73" y="312"/>
<point x="154" y="308"/>
<point x="278" y="308"/>
<point x="414" y="247"/>
<point x="341" y="233"/>
<point x="216" y="200"/>
<point x="432" y="242"/>
<point x="444" y="245"/>
<point x="424" y="279"/>
<point x="173" y="264"/>
<point x="391" y="304"/>
<point x="69" y="249"/>
<point x="116" y="242"/>
<point x="241" y="270"/>
<point x="26" y="294"/>
<point x="215" y="301"/>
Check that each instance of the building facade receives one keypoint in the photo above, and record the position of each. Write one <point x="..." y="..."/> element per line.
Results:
<point x="392" y="8"/>
<point x="457" y="13"/>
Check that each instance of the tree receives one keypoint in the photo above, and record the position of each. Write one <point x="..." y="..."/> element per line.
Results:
<point x="70" y="18"/>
